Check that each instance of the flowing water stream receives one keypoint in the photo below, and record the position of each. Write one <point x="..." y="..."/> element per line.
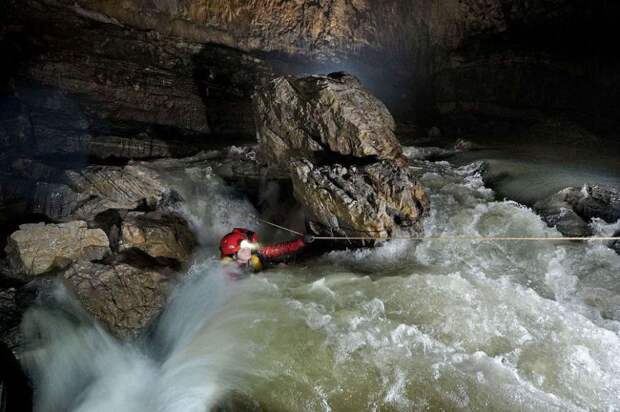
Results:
<point x="432" y="325"/>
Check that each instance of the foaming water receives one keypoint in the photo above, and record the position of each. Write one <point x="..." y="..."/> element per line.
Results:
<point x="407" y="326"/>
<point x="446" y="325"/>
<point x="528" y="172"/>
<point x="188" y="365"/>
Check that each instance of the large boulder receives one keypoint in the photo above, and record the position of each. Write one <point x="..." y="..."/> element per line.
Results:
<point x="377" y="200"/>
<point x="330" y="114"/>
<point x="39" y="248"/>
<point x="159" y="235"/>
<point x="123" y="298"/>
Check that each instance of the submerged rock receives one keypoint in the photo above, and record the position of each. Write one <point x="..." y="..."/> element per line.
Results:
<point x="332" y="113"/>
<point x="596" y="201"/>
<point x="571" y="209"/>
<point x="39" y="248"/>
<point x="566" y="221"/>
<point x="615" y="244"/>
<point x="123" y="298"/>
<point x="158" y="235"/>
<point x="381" y="199"/>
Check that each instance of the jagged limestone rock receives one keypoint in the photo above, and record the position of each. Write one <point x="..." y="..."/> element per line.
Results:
<point x="596" y="201"/>
<point x="330" y="114"/>
<point x="82" y="194"/>
<point x="112" y="187"/>
<point x="118" y="187"/>
<point x="39" y="248"/>
<point x="380" y="200"/>
<point x="56" y="201"/>
<point x="158" y="235"/>
<point x="123" y="298"/>
<point x="571" y="209"/>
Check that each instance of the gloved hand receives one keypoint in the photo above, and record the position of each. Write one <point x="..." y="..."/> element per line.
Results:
<point x="308" y="238"/>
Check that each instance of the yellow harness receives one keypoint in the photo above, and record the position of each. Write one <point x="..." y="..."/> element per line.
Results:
<point x="254" y="264"/>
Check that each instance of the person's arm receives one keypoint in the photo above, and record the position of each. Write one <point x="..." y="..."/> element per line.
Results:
<point x="281" y="249"/>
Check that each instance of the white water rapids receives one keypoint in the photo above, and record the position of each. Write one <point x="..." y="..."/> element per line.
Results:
<point x="519" y="326"/>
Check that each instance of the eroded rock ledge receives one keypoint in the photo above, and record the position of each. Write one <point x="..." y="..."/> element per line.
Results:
<point x="379" y="200"/>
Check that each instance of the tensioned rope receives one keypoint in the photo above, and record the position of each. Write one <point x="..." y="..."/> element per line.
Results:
<point x="461" y="238"/>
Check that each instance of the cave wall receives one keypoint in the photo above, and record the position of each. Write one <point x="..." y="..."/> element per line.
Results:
<point x="150" y="76"/>
<point x="99" y="79"/>
<point x="324" y="29"/>
<point x="526" y="60"/>
<point x="139" y="79"/>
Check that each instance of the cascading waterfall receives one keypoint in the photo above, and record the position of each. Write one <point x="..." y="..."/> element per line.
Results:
<point x="406" y="326"/>
<point x="189" y="363"/>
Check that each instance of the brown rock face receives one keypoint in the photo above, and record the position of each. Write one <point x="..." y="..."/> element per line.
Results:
<point x="116" y="188"/>
<point x="379" y="200"/>
<point x="334" y="113"/>
<point x="310" y="125"/>
<point x="110" y="89"/>
<point x="123" y="298"/>
<point x="324" y="29"/>
<point x="39" y="248"/>
<point x="192" y="65"/>
<point x="106" y="71"/>
<point x="95" y="189"/>
<point x="158" y="235"/>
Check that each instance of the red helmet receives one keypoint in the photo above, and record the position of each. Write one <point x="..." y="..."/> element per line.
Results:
<point x="231" y="243"/>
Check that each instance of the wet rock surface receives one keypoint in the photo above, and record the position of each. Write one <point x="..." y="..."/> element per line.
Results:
<point x="82" y="194"/>
<point x="133" y="208"/>
<point x="333" y="113"/>
<point x="108" y="187"/>
<point x="337" y="143"/>
<point x="571" y="209"/>
<point x="596" y="201"/>
<point x="426" y="153"/>
<point x="158" y="235"/>
<point x="126" y="225"/>
<point x="123" y="298"/>
<point x="378" y="200"/>
<point x="615" y="244"/>
<point x="39" y="248"/>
